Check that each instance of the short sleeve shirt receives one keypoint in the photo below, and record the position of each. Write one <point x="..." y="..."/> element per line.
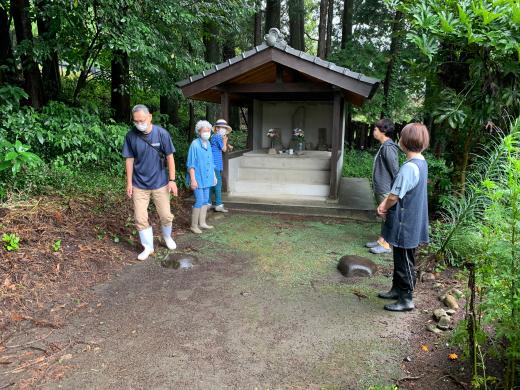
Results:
<point x="217" y="144"/>
<point x="406" y="180"/>
<point x="149" y="169"/>
<point x="200" y="158"/>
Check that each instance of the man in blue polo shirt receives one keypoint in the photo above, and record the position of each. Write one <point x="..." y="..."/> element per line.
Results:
<point x="146" y="148"/>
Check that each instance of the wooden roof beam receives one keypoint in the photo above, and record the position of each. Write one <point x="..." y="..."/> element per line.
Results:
<point x="276" y="88"/>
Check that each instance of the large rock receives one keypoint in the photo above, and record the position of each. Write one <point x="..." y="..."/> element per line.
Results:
<point x="351" y="265"/>
<point x="438" y="313"/>
<point x="451" y="302"/>
<point x="444" y="323"/>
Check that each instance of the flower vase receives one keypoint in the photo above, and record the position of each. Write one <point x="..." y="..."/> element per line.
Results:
<point x="300" y="147"/>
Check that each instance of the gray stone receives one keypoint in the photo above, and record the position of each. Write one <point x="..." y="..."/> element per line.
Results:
<point x="437" y="285"/>
<point x="427" y="276"/>
<point x="356" y="266"/>
<point x="179" y="261"/>
<point x="433" y="328"/>
<point x="444" y="323"/>
<point x="450" y="301"/>
<point x="450" y="312"/>
<point x="457" y="293"/>
<point x="438" y="313"/>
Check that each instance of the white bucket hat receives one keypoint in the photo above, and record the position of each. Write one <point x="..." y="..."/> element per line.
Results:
<point x="222" y="123"/>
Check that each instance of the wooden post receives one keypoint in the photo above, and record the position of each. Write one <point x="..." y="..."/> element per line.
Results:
<point x="224" y="111"/>
<point x="250" y="126"/>
<point x="336" y="137"/>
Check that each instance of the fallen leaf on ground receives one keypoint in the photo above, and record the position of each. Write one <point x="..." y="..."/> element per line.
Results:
<point x="425" y="348"/>
<point x="453" y="356"/>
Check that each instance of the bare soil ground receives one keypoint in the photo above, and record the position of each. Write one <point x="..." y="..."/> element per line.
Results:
<point x="263" y="307"/>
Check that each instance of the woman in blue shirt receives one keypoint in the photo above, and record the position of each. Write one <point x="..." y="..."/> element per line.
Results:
<point x="201" y="175"/>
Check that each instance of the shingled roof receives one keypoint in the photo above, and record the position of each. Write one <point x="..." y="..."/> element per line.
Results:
<point x="281" y="53"/>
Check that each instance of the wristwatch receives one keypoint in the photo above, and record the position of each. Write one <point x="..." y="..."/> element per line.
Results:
<point x="172" y="180"/>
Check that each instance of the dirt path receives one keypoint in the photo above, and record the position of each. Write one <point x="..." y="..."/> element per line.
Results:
<point x="263" y="308"/>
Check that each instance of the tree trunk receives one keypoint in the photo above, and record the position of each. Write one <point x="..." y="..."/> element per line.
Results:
<point x="120" y="86"/>
<point x="50" y="65"/>
<point x="169" y="105"/>
<point x="297" y="24"/>
<point x="257" y="23"/>
<point x="32" y="78"/>
<point x="330" y="22"/>
<point x="212" y="55"/>
<point x="346" y="28"/>
<point x="7" y="64"/>
<point x="395" y="48"/>
<point x="228" y="51"/>
<point x="191" y="125"/>
<point x="322" y="28"/>
<point x="272" y="14"/>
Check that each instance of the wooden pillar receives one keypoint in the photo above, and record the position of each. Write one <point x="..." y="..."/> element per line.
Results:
<point x="224" y="111"/>
<point x="336" y="147"/>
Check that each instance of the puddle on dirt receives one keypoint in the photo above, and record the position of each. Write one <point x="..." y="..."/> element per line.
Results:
<point x="179" y="261"/>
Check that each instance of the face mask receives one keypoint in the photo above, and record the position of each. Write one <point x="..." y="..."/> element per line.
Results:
<point x="205" y="136"/>
<point x="222" y="132"/>
<point x="141" y="127"/>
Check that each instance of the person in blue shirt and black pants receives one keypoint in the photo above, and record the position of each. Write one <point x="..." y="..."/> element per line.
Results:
<point x="405" y="211"/>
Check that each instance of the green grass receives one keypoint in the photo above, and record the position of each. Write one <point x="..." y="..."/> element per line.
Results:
<point x="291" y="252"/>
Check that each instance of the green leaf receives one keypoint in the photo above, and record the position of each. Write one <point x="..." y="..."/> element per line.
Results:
<point x="12" y="155"/>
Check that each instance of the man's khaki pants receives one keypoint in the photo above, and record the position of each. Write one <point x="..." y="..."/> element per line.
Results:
<point x="161" y="199"/>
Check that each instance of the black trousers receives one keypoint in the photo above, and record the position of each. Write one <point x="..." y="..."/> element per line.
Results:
<point x="404" y="277"/>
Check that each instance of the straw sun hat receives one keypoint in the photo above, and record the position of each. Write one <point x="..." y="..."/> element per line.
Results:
<point x="222" y="123"/>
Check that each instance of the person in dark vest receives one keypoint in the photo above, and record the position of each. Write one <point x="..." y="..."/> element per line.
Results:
<point x="148" y="149"/>
<point x="405" y="211"/>
<point x="385" y="168"/>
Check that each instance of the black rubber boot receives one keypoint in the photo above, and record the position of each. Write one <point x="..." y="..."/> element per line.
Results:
<point x="392" y="294"/>
<point x="404" y="302"/>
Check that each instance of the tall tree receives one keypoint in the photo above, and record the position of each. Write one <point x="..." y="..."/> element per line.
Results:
<point x="395" y="47"/>
<point x="7" y="65"/>
<point x="330" y="23"/>
<point x="228" y="51"/>
<point x="322" y="28"/>
<point x="120" y="96"/>
<point x="272" y="14"/>
<point x="346" y="25"/>
<point x="257" y="23"/>
<point x="32" y="78"/>
<point x="50" y="64"/>
<point x="297" y="24"/>
<point x="212" y="55"/>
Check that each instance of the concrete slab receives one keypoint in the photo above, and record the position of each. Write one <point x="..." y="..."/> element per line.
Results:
<point x="356" y="201"/>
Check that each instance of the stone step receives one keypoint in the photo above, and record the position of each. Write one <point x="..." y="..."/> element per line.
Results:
<point x="285" y="162"/>
<point x="269" y="189"/>
<point x="284" y="175"/>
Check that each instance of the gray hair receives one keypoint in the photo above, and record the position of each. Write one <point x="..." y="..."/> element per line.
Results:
<point x="201" y="124"/>
<point x="140" y="107"/>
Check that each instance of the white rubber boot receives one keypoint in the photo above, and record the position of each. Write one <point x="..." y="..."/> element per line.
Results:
<point x="195" y="216"/>
<point x="146" y="237"/>
<point x="167" y="235"/>
<point x="202" y="219"/>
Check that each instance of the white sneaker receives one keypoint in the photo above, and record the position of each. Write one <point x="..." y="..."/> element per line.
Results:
<point x="167" y="236"/>
<point x="146" y="237"/>
<point x="221" y="209"/>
